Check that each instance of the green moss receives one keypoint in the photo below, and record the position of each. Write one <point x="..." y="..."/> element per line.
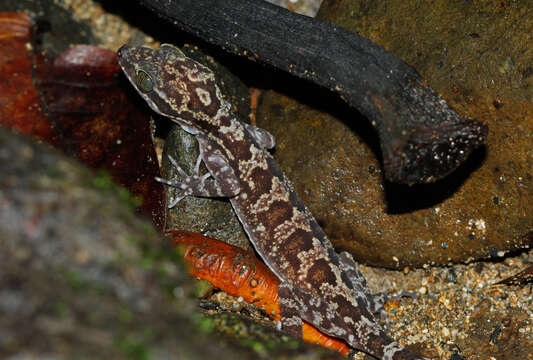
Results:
<point x="151" y="254"/>
<point x="147" y="228"/>
<point x="202" y="323"/>
<point x="125" y="316"/>
<point x="202" y="288"/>
<point x="129" y="198"/>
<point x="133" y="239"/>
<point x="53" y="172"/>
<point x="132" y="347"/>
<point x="61" y="308"/>
<point x="257" y="346"/>
<point x="102" y="180"/>
<point x="75" y="280"/>
<point x="179" y="250"/>
<point x="147" y="263"/>
<point x="262" y="340"/>
<point x="289" y="342"/>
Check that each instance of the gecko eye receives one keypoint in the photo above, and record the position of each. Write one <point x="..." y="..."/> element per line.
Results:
<point x="144" y="81"/>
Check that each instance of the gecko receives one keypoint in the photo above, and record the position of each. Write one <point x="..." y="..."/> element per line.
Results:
<point x="317" y="284"/>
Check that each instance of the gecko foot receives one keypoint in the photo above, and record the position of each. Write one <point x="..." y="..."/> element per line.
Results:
<point x="201" y="185"/>
<point x="188" y="185"/>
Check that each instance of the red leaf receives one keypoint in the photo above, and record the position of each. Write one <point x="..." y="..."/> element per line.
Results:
<point x="79" y="103"/>
<point x="20" y="104"/>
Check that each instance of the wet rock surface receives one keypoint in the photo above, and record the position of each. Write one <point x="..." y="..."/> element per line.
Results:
<point x="497" y="334"/>
<point x="480" y="63"/>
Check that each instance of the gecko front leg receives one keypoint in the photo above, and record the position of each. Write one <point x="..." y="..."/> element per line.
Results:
<point x="220" y="181"/>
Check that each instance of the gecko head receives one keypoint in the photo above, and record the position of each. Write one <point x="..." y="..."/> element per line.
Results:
<point x="172" y="84"/>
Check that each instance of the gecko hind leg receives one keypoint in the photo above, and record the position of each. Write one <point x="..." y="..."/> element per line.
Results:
<point x="351" y="269"/>
<point x="376" y="301"/>
<point x="291" y="322"/>
<point x="356" y="329"/>
<point x="297" y="304"/>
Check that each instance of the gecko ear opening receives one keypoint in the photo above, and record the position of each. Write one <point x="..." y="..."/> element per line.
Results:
<point x="144" y="81"/>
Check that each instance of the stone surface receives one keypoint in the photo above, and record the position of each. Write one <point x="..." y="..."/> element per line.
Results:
<point x="497" y="334"/>
<point x="478" y="57"/>
<point x="80" y="274"/>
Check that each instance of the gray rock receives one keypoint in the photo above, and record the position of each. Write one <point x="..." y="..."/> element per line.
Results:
<point x="82" y="276"/>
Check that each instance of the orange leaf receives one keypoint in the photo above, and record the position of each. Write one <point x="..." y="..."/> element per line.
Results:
<point x="239" y="273"/>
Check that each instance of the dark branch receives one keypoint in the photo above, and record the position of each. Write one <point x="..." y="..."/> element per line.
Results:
<point x="422" y="138"/>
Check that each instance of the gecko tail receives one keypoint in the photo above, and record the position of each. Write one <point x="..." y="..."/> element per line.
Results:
<point x="406" y="354"/>
<point x="385" y="348"/>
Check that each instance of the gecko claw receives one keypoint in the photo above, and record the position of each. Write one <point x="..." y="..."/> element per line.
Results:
<point x="175" y="201"/>
<point x="198" y="162"/>
<point x="165" y="181"/>
<point x="174" y="184"/>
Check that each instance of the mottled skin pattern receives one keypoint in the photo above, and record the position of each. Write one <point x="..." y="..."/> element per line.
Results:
<point x="317" y="284"/>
